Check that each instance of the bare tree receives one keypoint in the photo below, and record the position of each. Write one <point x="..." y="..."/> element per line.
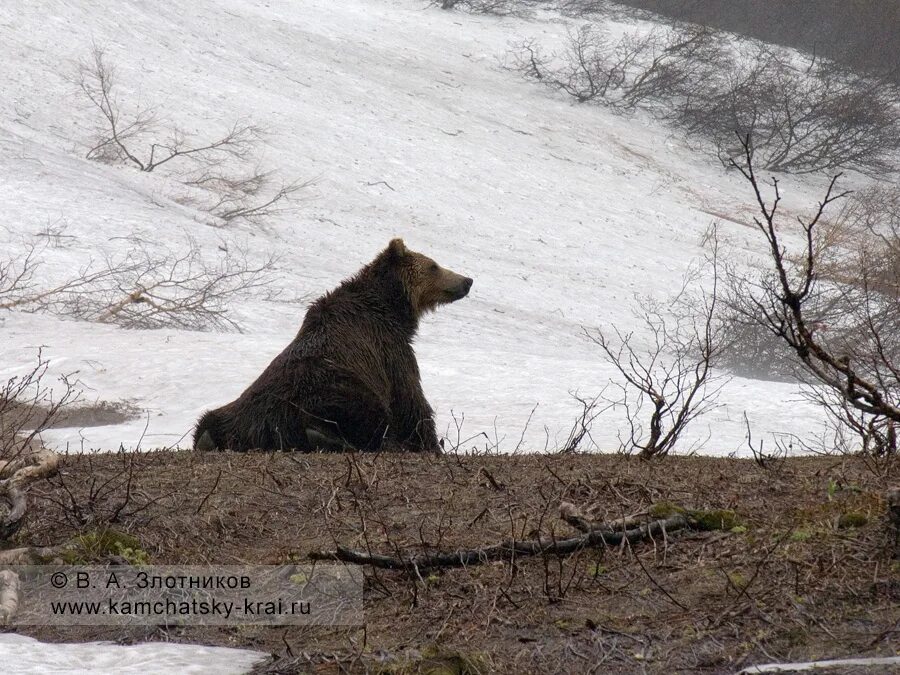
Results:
<point x="182" y="289"/>
<point x="143" y="288"/>
<point x="673" y="376"/>
<point x="853" y="357"/>
<point x="216" y="167"/>
<point x="802" y="117"/>
<point x="637" y="69"/>
<point x="118" y="138"/>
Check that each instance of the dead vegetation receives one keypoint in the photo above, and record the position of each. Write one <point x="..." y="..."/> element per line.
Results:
<point x="519" y="8"/>
<point x="667" y="382"/>
<point x="165" y="287"/>
<point x="773" y="570"/>
<point x="805" y="113"/>
<point x="833" y="303"/>
<point x="29" y="404"/>
<point x="222" y="173"/>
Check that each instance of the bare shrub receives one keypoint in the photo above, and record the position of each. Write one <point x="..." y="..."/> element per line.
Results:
<point x="216" y="166"/>
<point x="118" y="138"/>
<point x="835" y="306"/>
<point x="107" y="500"/>
<point x="181" y="289"/>
<point x="495" y="7"/>
<point x="802" y="117"/>
<point x="669" y="383"/>
<point x="749" y="350"/>
<point x="253" y="197"/>
<point x="634" y="70"/>
<point x="28" y="406"/>
<point x="143" y="288"/>
<point x="20" y="289"/>
<point x="868" y="230"/>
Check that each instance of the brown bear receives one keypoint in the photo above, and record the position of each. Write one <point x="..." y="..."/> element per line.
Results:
<point x="349" y="380"/>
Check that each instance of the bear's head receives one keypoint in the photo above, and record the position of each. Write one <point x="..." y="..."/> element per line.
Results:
<point x="427" y="284"/>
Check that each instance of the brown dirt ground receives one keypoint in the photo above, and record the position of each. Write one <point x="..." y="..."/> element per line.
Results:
<point x="21" y="416"/>
<point x="788" y="584"/>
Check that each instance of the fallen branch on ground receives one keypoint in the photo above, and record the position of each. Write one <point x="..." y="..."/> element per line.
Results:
<point x="570" y="513"/>
<point x="821" y="665"/>
<point x="595" y="538"/>
<point x="20" y="472"/>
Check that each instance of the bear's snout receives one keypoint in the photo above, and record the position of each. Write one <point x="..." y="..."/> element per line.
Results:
<point x="462" y="290"/>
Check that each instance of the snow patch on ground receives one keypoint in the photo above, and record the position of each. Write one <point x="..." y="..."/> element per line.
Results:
<point x="26" y="656"/>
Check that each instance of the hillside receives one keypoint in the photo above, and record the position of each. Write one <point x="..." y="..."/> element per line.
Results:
<point x="409" y="126"/>
<point x="392" y="118"/>
<point x="789" y="563"/>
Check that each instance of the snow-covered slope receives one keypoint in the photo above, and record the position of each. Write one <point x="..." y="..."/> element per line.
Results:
<point x="560" y="212"/>
<point x="26" y="656"/>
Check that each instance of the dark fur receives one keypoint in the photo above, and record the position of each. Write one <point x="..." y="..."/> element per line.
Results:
<point x="350" y="378"/>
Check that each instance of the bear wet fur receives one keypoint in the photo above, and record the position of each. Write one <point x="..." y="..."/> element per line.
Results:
<point x="349" y="379"/>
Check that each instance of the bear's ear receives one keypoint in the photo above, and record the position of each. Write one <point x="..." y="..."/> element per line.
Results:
<point x="396" y="249"/>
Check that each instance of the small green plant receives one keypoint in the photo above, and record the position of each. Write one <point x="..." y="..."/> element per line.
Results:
<point x="665" y="510"/>
<point x="96" y="545"/>
<point x="738" y="580"/>
<point x="133" y="556"/>
<point x="801" y="535"/>
<point x="596" y="570"/>
<point x="716" y="519"/>
<point x="834" y="487"/>
<point x="700" y="519"/>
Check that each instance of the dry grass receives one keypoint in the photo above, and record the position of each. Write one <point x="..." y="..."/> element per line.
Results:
<point x="787" y="583"/>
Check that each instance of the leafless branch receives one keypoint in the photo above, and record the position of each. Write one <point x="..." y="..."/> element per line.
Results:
<point x="214" y="167"/>
<point x="118" y="137"/>
<point x="852" y="364"/>
<point x="184" y="289"/>
<point x="28" y="406"/>
<point x="673" y="375"/>
<point x="142" y="289"/>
